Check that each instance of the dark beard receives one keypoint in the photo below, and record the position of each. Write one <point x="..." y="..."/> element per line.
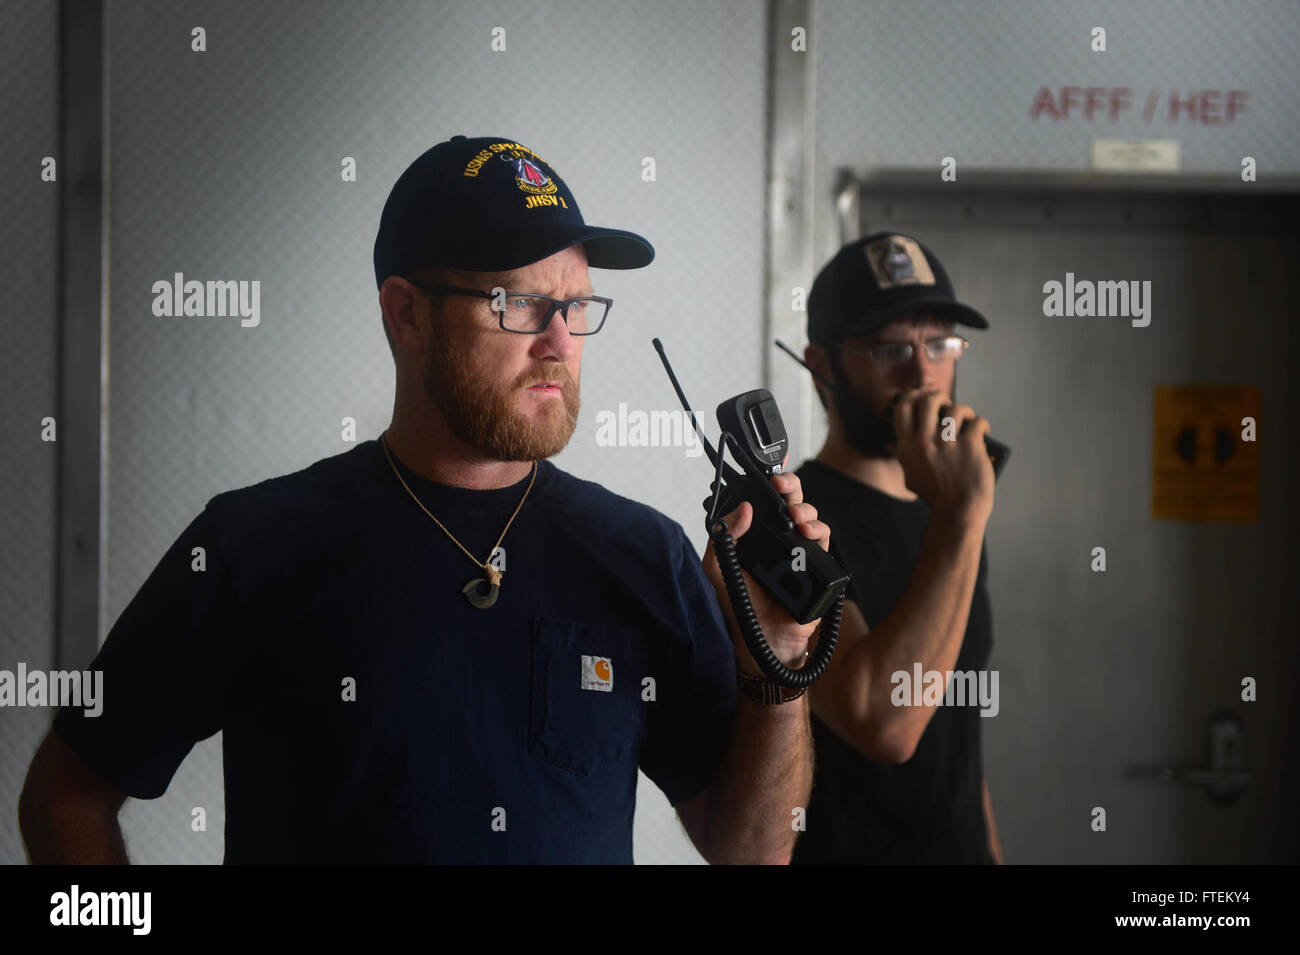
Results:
<point x="868" y="430"/>
<point x="482" y="415"/>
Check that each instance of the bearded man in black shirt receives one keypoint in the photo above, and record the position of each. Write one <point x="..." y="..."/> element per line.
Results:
<point x="906" y="484"/>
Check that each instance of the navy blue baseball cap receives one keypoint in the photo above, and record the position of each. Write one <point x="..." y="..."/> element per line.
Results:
<point x="489" y="204"/>
<point x="877" y="280"/>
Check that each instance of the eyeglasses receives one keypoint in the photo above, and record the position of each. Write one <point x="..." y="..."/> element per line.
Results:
<point x="529" y="314"/>
<point x="944" y="348"/>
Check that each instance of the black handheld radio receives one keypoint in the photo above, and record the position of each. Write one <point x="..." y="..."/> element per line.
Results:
<point x="802" y="577"/>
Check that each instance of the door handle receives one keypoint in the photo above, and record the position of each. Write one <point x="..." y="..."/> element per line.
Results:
<point x="1225" y="776"/>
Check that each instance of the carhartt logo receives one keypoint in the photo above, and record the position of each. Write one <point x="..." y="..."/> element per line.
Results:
<point x="597" y="673"/>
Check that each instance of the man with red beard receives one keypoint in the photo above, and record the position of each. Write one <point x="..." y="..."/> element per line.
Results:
<point x="439" y="647"/>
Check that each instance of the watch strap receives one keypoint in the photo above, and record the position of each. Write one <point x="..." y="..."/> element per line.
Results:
<point x="760" y="689"/>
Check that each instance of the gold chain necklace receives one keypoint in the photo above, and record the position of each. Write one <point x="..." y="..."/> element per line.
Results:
<point x="470" y="590"/>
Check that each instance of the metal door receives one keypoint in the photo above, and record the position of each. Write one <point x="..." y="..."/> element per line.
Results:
<point x="1110" y="680"/>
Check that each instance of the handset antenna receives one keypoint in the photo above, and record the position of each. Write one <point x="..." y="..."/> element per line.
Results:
<point x="782" y="345"/>
<point x="686" y="405"/>
<point x="681" y="395"/>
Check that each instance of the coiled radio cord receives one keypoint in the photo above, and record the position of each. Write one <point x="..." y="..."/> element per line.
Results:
<point x="724" y="546"/>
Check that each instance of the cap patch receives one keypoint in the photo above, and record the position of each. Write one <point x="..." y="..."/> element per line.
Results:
<point x="897" y="260"/>
<point x="541" y="190"/>
<point x="528" y="175"/>
<point x="515" y="150"/>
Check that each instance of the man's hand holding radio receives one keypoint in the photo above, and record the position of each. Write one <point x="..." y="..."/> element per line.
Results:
<point x="944" y="462"/>
<point x="788" y="639"/>
<point x="745" y="815"/>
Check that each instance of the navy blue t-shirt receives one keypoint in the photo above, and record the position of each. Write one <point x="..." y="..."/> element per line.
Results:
<point x="506" y="735"/>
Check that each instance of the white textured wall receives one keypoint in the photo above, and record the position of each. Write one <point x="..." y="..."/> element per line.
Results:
<point x="28" y="383"/>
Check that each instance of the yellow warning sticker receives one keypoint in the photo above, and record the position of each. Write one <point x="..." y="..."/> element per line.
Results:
<point x="1205" y="459"/>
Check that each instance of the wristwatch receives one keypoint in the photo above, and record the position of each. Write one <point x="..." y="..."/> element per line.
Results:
<point x="760" y="689"/>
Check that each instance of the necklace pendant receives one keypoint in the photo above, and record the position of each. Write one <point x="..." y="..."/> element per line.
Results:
<point x="481" y="600"/>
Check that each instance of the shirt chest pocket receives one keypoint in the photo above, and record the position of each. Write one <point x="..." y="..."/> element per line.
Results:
<point x="587" y="711"/>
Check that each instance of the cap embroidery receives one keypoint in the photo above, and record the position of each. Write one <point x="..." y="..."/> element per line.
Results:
<point x="475" y="165"/>
<point x="528" y="175"/>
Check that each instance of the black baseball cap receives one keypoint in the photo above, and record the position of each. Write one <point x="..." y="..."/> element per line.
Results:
<point x="879" y="279"/>
<point x="489" y="204"/>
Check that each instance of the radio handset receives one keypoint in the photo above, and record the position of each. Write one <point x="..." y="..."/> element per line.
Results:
<point x="806" y="580"/>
